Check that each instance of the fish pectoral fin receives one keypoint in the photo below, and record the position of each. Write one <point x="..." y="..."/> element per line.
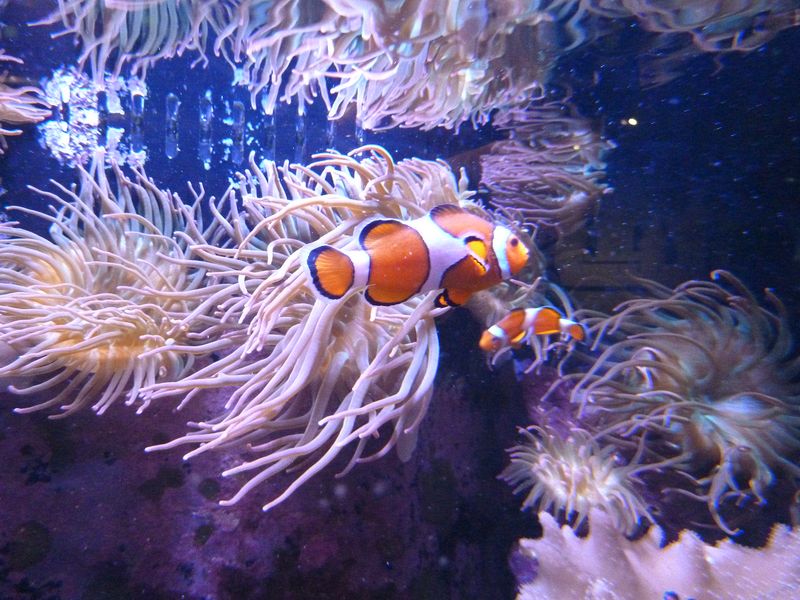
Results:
<point x="443" y="300"/>
<point x="516" y="341"/>
<point x="481" y="266"/>
<point x="452" y="297"/>
<point x="478" y="251"/>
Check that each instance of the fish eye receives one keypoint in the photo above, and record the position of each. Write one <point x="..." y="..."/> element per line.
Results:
<point x="514" y="241"/>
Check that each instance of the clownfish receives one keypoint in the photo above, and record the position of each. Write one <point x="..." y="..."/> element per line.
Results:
<point x="520" y="323"/>
<point x="449" y="249"/>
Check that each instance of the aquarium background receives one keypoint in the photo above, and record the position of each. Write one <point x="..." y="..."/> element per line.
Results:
<point x="708" y="178"/>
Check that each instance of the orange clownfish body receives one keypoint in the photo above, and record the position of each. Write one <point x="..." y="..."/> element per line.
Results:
<point x="448" y="249"/>
<point x="521" y="323"/>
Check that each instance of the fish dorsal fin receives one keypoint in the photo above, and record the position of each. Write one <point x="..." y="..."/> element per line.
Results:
<point x="378" y="229"/>
<point x="459" y="223"/>
<point x="444" y="210"/>
<point x="546" y="321"/>
<point x="467" y="227"/>
<point x="514" y="322"/>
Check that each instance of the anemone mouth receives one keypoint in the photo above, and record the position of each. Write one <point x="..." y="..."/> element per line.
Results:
<point x="708" y="372"/>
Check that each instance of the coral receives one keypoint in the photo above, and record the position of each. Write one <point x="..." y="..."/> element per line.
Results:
<point x="84" y="114"/>
<point x="607" y="565"/>
<point x="362" y="536"/>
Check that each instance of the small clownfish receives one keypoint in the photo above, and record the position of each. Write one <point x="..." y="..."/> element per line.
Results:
<point x="512" y="329"/>
<point x="449" y="249"/>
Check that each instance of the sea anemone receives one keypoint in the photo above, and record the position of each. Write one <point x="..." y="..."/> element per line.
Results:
<point x="376" y="57"/>
<point x="314" y="376"/>
<point x="269" y="45"/>
<point x="131" y="295"/>
<point x="96" y="312"/>
<point x="550" y="169"/>
<point x="710" y="376"/>
<point x="717" y="26"/>
<point x="576" y="475"/>
<point x="689" y="28"/>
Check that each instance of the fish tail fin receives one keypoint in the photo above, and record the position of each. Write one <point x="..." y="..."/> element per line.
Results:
<point x="575" y="330"/>
<point x="332" y="271"/>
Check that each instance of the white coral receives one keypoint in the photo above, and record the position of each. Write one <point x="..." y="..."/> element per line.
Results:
<point x="606" y="565"/>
